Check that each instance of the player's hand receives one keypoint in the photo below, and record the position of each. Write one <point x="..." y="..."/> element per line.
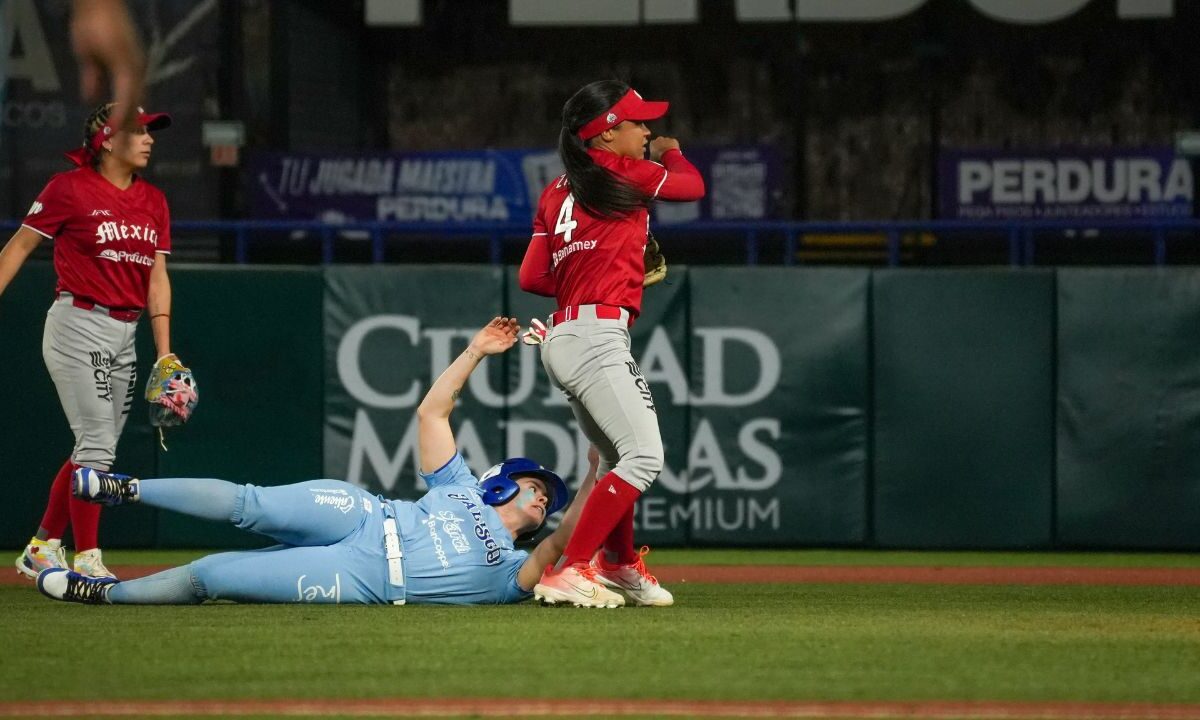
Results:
<point x="660" y="145"/>
<point x="497" y="336"/>
<point x="106" y="44"/>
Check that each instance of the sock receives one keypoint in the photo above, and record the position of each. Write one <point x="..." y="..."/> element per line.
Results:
<point x="54" y="521"/>
<point x="169" y="587"/>
<point x="618" y="546"/>
<point x="610" y="500"/>
<point x="199" y="497"/>
<point x="85" y="522"/>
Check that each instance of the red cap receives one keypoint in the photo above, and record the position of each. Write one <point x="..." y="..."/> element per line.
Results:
<point x="150" y="121"/>
<point x="631" y="106"/>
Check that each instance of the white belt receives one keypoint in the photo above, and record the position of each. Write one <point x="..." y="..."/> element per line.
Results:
<point x="395" y="556"/>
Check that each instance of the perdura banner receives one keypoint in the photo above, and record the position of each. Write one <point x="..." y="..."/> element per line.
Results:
<point x="1060" y="183"/>
<point x="762" y="409"/>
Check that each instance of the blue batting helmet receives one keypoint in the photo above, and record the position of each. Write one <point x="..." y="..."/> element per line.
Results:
<point x="499" y="483"/>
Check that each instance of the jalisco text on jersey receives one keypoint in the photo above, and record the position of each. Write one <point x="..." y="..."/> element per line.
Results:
<point x="481" y="528"/>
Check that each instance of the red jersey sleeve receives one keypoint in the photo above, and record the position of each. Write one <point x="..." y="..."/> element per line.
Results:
<point x="683" y="181"/>
<point x="52" y="208"/>
<point x="536" y="276"/>
<point x="676" y="179"/>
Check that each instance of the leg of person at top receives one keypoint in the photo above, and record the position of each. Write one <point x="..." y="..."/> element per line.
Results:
<point x="79" y="347"/>
<point x="618" y="565"/>
<point x="44" y="549"/>
<point x="591" y="360"/>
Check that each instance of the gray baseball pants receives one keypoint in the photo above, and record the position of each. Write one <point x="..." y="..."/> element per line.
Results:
<point x="91" y="360"/>
<point x="589" y="359"/>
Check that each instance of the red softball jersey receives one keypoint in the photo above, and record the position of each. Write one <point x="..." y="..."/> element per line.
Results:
<point x="581" y="259"/>
<point x="105" y="238"/>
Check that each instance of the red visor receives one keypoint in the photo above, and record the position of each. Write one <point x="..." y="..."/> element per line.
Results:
<point x="150" y="121"/>
<point x="631" y="106"/>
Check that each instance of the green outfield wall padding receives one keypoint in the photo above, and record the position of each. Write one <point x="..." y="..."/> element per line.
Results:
<point x="779" y="385"/>
<point x="798" y="406"/>
<point x="963" y="383"/>
<point x="1129" y="408"/>
<point x="253" y="338"/>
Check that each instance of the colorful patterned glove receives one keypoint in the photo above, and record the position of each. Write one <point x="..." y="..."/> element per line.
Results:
<point x="172" y="392"/>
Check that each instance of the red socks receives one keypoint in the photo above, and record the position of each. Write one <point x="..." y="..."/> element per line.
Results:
<point x="618" y="547"/>
<point x="607" y="507"/>
<point x="54" y="521"/>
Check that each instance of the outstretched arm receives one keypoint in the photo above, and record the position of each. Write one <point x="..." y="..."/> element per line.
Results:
<point x="435" y="439"/>
<point x="550" y="549"/>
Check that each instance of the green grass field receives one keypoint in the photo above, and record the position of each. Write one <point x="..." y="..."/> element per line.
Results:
<point x="729" y="642"/>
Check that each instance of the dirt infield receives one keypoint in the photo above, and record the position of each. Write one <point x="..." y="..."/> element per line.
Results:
<point x="927" y="575"/>
<point x="517" y="707"/>
<point x="915" y="575"/>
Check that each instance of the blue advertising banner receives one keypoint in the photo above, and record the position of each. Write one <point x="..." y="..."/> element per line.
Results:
<point x="1088" y="184"/>
<point x="481" y="185"/>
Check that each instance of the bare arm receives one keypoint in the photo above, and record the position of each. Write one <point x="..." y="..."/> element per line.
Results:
<point x="551" y="548"/>
<point x="158" y="303"/>
<point x="106" y="44"/>
<point x="435" y="439"/>
<point x="15" y="252"/>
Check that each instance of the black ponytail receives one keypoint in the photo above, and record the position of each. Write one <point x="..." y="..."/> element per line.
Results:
<point x="595" y="188"/>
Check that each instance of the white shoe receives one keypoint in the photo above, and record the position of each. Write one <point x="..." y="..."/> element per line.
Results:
<point x="89" y="564"/>
<point x="633" y="580"/>
<point x="41" y="555"/>
<point x="576" y="585"/>
<point x="63" y="584"/>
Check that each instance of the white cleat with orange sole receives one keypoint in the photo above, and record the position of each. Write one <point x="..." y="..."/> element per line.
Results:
<point x="634" y="580"/>
<point x="575" y="585"/>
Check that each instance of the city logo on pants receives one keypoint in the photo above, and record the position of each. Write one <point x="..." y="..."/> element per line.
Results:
<point x="642" y="386"/>
<point x="101" y="375"/>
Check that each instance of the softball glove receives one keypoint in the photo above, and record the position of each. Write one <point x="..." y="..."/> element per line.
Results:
<point x="172" y="392"/>
<point x="655" y="262"/>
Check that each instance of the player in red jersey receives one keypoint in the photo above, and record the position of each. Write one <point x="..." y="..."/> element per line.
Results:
<point x="112" y="234"/>
<point x="589" y="234"/>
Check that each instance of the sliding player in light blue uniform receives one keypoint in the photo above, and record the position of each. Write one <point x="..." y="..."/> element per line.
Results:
<point x="341" y="544"/>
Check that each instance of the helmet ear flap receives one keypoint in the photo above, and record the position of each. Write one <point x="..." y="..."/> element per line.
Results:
<point x="498" y="490"/>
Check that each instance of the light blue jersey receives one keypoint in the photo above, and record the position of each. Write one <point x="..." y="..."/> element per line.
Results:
<point x="456" y="549"/>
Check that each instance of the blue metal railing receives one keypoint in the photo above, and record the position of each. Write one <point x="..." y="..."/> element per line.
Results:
<point x="1021" y="236"/>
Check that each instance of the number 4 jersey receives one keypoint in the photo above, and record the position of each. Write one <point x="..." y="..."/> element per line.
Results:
<point x="582" y="259"/>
